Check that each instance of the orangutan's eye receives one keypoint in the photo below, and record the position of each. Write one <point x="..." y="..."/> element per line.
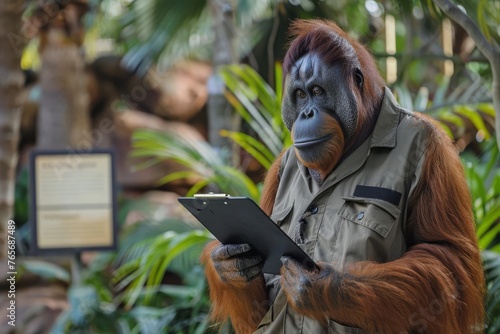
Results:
<point x="317" y="90"/>
<point x="358" y="76"/>
<point x="300" y="94"/>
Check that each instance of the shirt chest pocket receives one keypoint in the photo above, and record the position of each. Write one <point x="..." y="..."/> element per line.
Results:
<point x="376" y="214"/>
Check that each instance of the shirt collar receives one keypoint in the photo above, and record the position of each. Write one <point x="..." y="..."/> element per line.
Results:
<point x="385" y="132"/>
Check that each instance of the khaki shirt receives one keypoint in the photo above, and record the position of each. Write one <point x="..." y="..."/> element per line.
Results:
<point x="358" y="213"/>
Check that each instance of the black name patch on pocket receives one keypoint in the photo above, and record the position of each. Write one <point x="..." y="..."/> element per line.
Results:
<point x="388" y="195"/>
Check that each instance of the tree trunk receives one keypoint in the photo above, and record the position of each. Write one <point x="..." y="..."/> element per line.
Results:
<point x="11" y="82"/>
<point x="64" y="118"/>
<point x="220" y="114"/>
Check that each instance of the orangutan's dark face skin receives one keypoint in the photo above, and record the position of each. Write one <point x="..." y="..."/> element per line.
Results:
<point x="320" y="110"/>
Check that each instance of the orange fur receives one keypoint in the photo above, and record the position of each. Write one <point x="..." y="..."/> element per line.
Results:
<point x="271" y="182"/>
<point x="244" y="304"/>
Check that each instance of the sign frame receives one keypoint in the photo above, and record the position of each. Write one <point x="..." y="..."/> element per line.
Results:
<point x="35" y="248"/>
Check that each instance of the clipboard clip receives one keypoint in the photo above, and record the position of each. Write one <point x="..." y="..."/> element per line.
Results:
<point x="211" y="195"/>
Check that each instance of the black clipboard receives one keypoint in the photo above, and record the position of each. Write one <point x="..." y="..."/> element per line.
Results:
<point x="237" y="220"/>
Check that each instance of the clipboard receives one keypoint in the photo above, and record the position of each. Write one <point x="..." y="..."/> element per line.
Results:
<point x="237" y="220"/>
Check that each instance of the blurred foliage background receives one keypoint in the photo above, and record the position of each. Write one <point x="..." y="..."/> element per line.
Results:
<point x="155" y="67"/>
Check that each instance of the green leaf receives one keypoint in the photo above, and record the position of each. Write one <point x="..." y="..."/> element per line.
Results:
<point x="46" y="270"/>
<point x="278" y="77"/>
<point x="146" y="164"/>
<point x="452" y="118"/>
<point x="486" y="238"/>
<point x="257" y="104"/>
<point x="152" y="32"/>
<point x="254" y="147"/>
<point x="260" y="124"/>
<point x="447" y="129"/>
<point x="475" y="118"/>
<point x="198" y="186"/>
<point x="152" y="319"/>
<point x="441" y="92"/>
<point x="422" y="99"/>
<point x="404" y="97"/>
<point x="150" y="269"/>
<point x="485" y="224"/>
<point x="487" y="108"/>
<point x="176" y="176"/>
<point x="483" y="25"/>
<point x="496" y="249"/>
<point x="84" y="303"/>
<point x="236" y="182"/>
<point x="172" y="248"/>
<point x="60" y="325"/>
<point x="176" y="291"/>
<point x="476" y="185"/>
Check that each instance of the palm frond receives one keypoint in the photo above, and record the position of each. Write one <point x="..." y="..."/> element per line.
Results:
<point x="200" y="158"/>
<point x="484" y="184"/>
<point x="253" y="146"/>
<point x="155" y="26"/>
<point x="167" y="31"/>
<point x="135" y="241"/>
<point x="149" y="269"/>
<point x="452" y="107"/>
<point x="491" y="263"/>
<point x="260" y="106"/>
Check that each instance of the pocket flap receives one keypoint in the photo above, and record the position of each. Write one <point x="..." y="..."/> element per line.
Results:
<point x="375" y="214"/>
<point x="337" y="328"/>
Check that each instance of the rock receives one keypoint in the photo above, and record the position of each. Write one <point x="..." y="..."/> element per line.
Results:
<point x="125" y="124"/>
<point x="184" y="91"/>
<point x="38" y="304"/>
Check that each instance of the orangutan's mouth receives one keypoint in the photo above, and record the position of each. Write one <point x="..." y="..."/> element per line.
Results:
<point x="306" y="142"/>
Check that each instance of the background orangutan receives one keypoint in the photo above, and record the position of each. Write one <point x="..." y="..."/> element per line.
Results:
<point x="373" y="193"/>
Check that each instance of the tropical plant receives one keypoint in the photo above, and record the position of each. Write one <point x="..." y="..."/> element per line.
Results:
<point x="483" y="177"/>
<point x="210" y="27"/>
<point x="150" y="250"/>
<point x="105" y="301"/>
<point x="149" y="268"/>
<point x="109" y="301"/>
<point x="260" y="107"/>
<point x="171" y="309"/>
<point x="166" y="31"/>
<point x="203" y="163"/>
<point x="484" y="184"/>
<point x="453" y="106"/>
<point x="483" y="40"/>
<point x="491" y="262"/>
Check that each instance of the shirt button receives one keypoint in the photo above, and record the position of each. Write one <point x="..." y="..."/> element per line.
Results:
<point x="361" y="215"/>
<point x="313" y="209"/>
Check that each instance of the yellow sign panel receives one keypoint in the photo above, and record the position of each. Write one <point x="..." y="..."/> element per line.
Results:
<point x="74" y="200"/>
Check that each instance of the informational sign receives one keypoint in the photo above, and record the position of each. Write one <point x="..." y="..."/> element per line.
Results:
<point x="73" y="201"/>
